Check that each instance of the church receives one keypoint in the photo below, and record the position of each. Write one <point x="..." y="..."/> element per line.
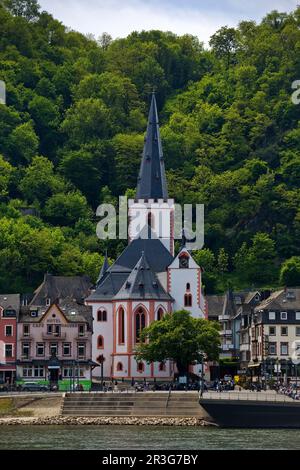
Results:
<point x="147" y="280"/>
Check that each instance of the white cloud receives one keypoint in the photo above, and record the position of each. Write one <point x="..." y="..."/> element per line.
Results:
<point x="198" y="17"/>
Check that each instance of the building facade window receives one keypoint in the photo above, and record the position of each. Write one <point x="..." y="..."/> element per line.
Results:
<point x="48" y="302"/>
<point x="140" y="324"/>
<point x="100" y="342"/>
<point x="284" y="331"/>
<point x="67" y="349"/>
<point x="162" y="367"/>
<point x="8" y="330"/>
<point x="38" y="371"/>
<point x="297" y="330"/>
<point x="283" y="315"/>
<point x="272" y="315"/>
<point x="140" y="367"/>
<point x="40" y="349"/>
<point x="272" y="330"/>
<point x="272" y="349"/>
<point x="8" y="351"/>
<point x="121" y="326"/>
<point x="26" y="330"/>
<point x="25" y="350"/>
<point x="81" y="330"/>
<point x="188" y="300"/>
<point x="119" y="367"/>
<point x="297" y="315"/>
<point x="102" y="315"/>
<point x="284" y="349"/>
<point x="81" y="350"/>
<point x="27" y="371"/>
<point x="53" y="349"/>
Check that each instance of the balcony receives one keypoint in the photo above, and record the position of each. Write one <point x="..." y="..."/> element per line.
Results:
<point x="82" y="337"/>
<point x="227" y="347"/>
<point x="54" y="336"/>
<point x="226" y="333"/>
<point x="224" y="317"/>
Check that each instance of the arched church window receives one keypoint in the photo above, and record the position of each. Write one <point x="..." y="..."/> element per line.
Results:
<point x="160" y="314"/>
<point x="162" y="367"/>
<point x="119" y="367"/>
<point x="140" y="323"/>
<point x="188" y="286"/>
<point x="100" y="342"/>
<point x="121" y="326"/>
<point x="188" y="300"/>
<point x="102" y="315"/>
<point x="140" y="367"/>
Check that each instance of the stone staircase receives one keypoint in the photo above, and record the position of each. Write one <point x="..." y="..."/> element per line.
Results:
<point x="144" y="404"/>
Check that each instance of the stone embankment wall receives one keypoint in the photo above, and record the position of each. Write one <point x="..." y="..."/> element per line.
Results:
<point x="112" y="421"/>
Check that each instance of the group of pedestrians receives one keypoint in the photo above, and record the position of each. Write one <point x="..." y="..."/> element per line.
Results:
<point x="290" y="390"/>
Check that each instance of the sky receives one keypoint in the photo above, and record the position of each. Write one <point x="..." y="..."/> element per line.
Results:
<point x="119" y="18"/>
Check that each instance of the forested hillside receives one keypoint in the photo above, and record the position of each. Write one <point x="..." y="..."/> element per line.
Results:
<point x="71" y="137"/>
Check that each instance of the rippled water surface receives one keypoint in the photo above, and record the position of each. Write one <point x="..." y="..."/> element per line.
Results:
<point x="146" y="437"/>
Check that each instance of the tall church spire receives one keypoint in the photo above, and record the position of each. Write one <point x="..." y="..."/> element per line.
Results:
<point x="152" y="183"/>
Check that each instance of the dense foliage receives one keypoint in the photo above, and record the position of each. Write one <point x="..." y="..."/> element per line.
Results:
<point x="71" y="136"/>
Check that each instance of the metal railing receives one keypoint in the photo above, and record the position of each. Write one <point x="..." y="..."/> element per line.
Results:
<point x="247" y="396"/>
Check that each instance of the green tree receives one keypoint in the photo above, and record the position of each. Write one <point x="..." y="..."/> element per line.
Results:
<point x="39" y="181"/>
<point x="290" y="272"/>
<point x="28" y="9"/>
<point x="180" y="338"/>
<point x="66" y="208"/>
<point x="24" y="143"/>
<point x="6" y="172"/>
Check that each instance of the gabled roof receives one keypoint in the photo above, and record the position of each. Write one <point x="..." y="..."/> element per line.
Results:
<point x="284" y="299"/>
<point x="10" y="301"/>
<point x="152" y="183"/>
<point x="61" y="287"/>
<point x="142" y="284"/>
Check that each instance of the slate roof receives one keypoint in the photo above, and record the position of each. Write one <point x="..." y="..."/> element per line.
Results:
<point x="104" y="269"/>
<point x="74" y="312"/>
<point x="284" y="299"/>
<point x="10" y="301"/>
<point x="215" y="305"/>
<point x="61" y="287"/>
<point x="152" y="183"/>
<point x="158" y="257"/>
<point x="142" y="284"/>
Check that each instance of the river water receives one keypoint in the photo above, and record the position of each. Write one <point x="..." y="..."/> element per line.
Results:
<point x="144" y="438"/>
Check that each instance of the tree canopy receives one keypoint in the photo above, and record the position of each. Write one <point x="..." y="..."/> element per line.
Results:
<point x="180" y="338"/>
<point x="72" y="132"/>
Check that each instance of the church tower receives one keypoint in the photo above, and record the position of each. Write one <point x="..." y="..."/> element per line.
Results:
<point x="151" y="213"/>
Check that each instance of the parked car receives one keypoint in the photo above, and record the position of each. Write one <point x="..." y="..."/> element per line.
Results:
<point x="34" y="387"/>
